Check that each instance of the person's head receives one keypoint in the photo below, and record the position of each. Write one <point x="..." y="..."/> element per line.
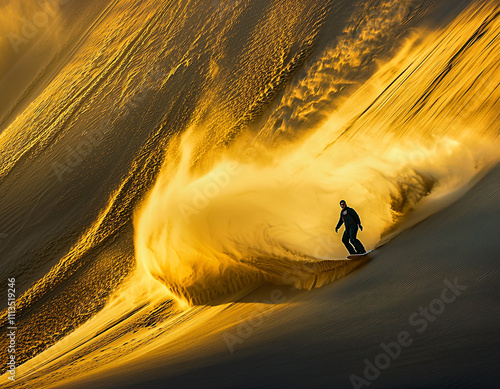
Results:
<point x="343" y="204"/>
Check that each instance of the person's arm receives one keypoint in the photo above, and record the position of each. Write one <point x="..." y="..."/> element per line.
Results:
<point x="357" y="219"/>
<point x="339" y="224"/>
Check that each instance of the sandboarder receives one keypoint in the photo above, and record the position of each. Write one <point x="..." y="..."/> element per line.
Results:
<point x="350" y="218"/>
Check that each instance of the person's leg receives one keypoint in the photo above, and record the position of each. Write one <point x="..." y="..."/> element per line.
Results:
<point x="355" y="241"/>
<point x="345" y="240"/>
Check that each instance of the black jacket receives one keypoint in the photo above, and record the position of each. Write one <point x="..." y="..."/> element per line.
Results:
<point x="349" y="217"/>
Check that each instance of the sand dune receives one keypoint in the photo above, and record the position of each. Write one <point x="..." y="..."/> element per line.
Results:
<point x="169" y="182"/>
<point x="320" y="338"/>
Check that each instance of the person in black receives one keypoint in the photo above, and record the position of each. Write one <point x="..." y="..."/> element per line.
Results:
<point x="350" y="218"/>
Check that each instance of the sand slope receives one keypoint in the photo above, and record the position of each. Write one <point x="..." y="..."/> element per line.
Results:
<point x="319" y="338"/>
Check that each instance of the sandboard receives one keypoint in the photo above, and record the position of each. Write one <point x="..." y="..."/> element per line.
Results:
<point x="358" y="256"/>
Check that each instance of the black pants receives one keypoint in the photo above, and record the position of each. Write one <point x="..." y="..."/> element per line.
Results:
<point x="350" y="235"/>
